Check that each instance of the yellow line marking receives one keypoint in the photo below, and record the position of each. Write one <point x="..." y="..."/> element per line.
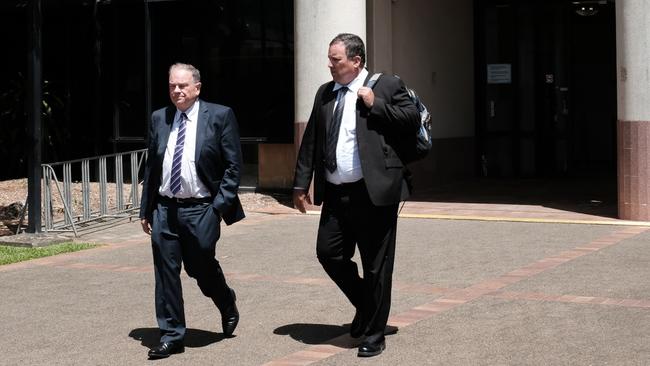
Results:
<point x="613" y="222"/>
<point x="523" y="219"/>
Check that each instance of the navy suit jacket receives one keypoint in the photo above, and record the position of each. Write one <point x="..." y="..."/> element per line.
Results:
<point x="218" y="158"/>
<point x="392" y="116"/>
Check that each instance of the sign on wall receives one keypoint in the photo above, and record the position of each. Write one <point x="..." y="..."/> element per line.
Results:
<point x="499" y="73"/>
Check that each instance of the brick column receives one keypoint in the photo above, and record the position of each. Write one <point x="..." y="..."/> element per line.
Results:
<point x="633" y="127"/>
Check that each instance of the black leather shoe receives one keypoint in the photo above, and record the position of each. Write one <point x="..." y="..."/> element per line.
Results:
<point x="358" y="326"/>
<point x="230" y="316"/>
<point x="166" y="349"/>
<point x="369" y="349"/>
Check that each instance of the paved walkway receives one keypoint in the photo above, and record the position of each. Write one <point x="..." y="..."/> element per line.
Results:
<point x="467" y="292"/>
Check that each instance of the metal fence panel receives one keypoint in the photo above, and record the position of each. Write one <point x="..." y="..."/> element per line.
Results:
<point x="72" y="205"/>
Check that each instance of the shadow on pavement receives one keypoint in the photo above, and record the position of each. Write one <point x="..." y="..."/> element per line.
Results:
<point x="336" y="335"/>
<point x="592" y="196"/>
<point x="312" y="333"/>
<point x="194" y="338"/>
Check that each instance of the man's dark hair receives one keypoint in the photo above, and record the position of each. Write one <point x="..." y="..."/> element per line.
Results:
<point x="353" y="46"/>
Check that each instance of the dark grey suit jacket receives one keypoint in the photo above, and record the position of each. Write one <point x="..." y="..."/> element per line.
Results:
<point x="218" y="158"/>
<point x="378" y="128"/>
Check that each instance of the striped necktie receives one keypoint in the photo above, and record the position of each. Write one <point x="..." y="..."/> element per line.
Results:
<point x="333" y="131"/>
<point x="175" y="184"/>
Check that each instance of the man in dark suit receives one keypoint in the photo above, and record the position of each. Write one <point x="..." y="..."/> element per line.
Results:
<point x="348" y="148"/>
<point x="190" y="184"/>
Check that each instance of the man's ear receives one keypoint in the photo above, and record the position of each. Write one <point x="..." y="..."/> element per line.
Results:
<point x="357" y="61"/>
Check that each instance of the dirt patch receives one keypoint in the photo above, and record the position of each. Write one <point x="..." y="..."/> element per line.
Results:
<point x="13" y="194"/>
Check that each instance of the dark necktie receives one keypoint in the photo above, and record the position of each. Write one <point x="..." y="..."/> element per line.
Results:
<point x="175" y="184"/>
<point x="333" y="131"/>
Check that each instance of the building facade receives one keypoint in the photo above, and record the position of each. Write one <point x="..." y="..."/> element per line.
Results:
<point x="518" y="89"/>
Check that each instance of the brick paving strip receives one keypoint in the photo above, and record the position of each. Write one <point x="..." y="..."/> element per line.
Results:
<point x="450" y="298"/>
<point x="404" y="287"/>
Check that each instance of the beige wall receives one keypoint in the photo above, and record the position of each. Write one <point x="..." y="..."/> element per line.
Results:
<point x="430" y="45"/>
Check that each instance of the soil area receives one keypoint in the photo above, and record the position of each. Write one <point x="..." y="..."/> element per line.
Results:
<point x="13" y="194"/>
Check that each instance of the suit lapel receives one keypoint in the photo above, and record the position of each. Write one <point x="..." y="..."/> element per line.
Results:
<point x="166" y="129"/>
<point x="329" y="99"/>
<point x="201" y="128"/>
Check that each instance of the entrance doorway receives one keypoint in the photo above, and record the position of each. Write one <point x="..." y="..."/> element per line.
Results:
<point x="546" y="89"/>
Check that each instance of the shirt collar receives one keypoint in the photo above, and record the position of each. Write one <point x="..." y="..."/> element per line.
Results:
<point x="191" y="112"/>
<point x="355" y="84"/>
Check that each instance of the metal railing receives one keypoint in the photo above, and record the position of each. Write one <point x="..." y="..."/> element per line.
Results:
<point x="75" y="205"/>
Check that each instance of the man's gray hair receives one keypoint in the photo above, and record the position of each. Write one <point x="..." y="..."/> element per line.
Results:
<point x="353" y="45"/>
<point x="196" y="74"/>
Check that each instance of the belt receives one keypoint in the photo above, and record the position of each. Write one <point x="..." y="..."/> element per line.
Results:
<point x="347" y="186"/>
<point x="185" y="201"/>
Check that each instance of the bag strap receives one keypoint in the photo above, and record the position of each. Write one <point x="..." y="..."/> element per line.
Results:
<point x="373" y="80"/>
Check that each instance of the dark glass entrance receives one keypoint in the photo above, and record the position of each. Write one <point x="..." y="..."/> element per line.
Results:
<point x="244" y="50"/>
<point x="547" y="89"/>
<point x="105" y="68"/>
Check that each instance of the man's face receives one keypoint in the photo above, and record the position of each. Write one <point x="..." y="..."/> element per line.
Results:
<point x="183" y="91"/>
<point x="342" y="68"/>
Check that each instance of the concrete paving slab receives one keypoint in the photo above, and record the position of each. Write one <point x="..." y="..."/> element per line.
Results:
<point x="460" y="253"/>
<point x="32" y="240"/>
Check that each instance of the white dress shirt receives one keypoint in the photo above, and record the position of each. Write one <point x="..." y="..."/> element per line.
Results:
<point x="348" y="165"/>
<point x="191" y="185"/>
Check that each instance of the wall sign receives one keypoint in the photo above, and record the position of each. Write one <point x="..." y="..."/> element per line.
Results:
<point x="499" y="73"/>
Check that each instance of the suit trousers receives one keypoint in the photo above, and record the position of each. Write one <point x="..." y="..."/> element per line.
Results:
<point x="349" y="220"/>
<point x="185" y="234"/>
